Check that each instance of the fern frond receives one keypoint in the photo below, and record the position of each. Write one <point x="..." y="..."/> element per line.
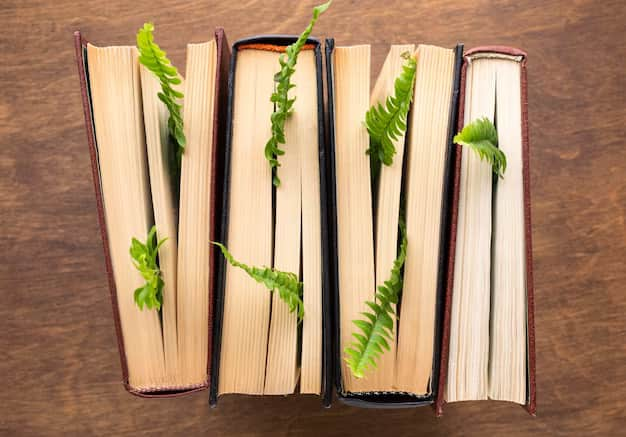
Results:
<point x="280" y="97"/>
<point x="387" y="123"/>
<point x="481" y="136"/>
<point x="376" y="328"/>
<point x="155" y="59"/>
<point x="289" y="287"/>
<point x="145" y="260"/>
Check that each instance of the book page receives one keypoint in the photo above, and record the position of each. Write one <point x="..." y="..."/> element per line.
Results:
<point x="507" y="353"/>
<point x="308" y="128"/>
<point x="116" y="100"/>
<point x="469" y="322"/>
<point x="426" y="150"/>
<point x="246" y="302"/>
<point x="195" y="213"/>
<point x="388" y="210"/>
<point x="165" y="205"/>
<point x="354" y="198"/>
<point x="280" y="376"/>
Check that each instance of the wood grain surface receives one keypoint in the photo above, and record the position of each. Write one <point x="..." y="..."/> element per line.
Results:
<point x="60" y="370"/>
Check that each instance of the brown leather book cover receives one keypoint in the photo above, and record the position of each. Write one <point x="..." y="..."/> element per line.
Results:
<point x="223" y="61"/>
<point x="443" y="368"/>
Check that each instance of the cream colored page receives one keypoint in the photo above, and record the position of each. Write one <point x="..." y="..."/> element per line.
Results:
<point x="165" y="208"/>
<point x="469" y="323"/>
<point x="280" y="375"/>
<point x="116" y="100"/>
<point x="426" y="151"/>
<point x="507" y="360"/>
<point x="246" y="302"/>
<point x="307" y="131"/>
<point x="388" y="209"/>
<point x="354" y="199"/>
<point x="195" y="213"/>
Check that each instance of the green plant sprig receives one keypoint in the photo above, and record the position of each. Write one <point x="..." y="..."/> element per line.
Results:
<point x="387" y="123"/>
<point x="377" y="327"/>
<point x="145" y="260"/>
<point x="155" y="59"/>
<point x="481" y="136"/>
<point x="289" y="288"/>
<point x="280" y="97"/>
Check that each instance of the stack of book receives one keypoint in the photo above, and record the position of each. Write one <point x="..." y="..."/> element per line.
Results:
<point x="327" y="213"/>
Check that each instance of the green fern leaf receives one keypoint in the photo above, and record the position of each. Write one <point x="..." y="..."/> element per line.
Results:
<point x="280" y="97"/>
<point x="289" y="287"/>
<point x="144" y="257"/>
<point x="376" y="328"/>
<point x="481" y="136"/>
<point x="151" y="55"/>
<point x="387" y="123"/>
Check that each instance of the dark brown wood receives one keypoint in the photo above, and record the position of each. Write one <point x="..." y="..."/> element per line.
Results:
<point x="60" y="371"/>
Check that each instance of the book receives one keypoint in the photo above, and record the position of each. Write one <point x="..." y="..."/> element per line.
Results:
<point x="408" y="376"/>
<point x="166" y="353"/>
<point x="260" y="346"/>
<point x="463" y="325"/>
<point x="488" y="341"/>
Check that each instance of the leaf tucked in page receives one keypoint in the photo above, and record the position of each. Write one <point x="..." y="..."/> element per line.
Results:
<point x="377" y="326"/>
<point x="387" y="123"/>
<point x="481" y="136"/>
<point x="145" y="260"/>
<point x="289" y="287"/>
<point x="280" y="97"/>
<point x="155" y="59"/>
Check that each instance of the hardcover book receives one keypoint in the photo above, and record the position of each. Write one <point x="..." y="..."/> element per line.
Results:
<point x="164" y="353"/>
<point x="260" y="346"/>
<point x="364" y="221"/>
<point x="488" y="348"/>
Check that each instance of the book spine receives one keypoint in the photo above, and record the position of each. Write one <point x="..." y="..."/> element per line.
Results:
<point x="531" y="406"/>
<point x="217" y="181"/>
<point x="80" y="45"/>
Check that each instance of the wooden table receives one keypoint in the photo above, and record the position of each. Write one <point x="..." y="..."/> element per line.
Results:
<point x="60" y="370"/>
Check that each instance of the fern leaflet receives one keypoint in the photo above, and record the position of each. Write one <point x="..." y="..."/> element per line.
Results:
<point x="145" y="260"/>
<point x="377" y="327"/>
<point x="481" y="136"/>
<point x="155" y="59"/>
<point x="280" y="97"/>
<point x="387" y="123"/>
<point x="289" y="287"/>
